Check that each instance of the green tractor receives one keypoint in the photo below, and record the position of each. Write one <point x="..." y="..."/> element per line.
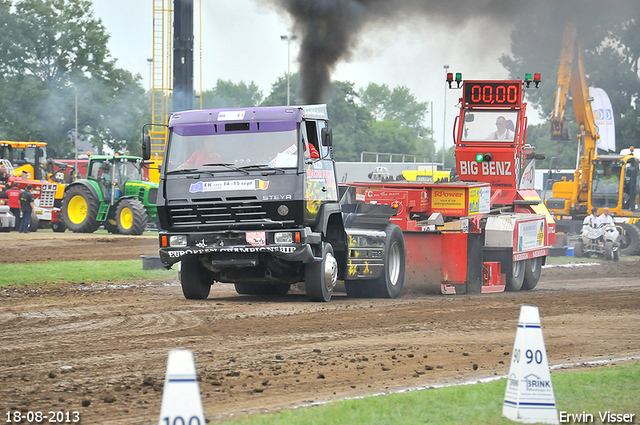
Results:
<point x="113" y="195"/>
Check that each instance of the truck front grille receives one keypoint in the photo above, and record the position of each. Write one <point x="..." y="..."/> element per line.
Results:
<point x="222" y="213"/>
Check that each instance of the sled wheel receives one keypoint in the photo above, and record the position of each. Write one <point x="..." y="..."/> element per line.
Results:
<point x="532" y="271"/>
<point x="517" y="276"/>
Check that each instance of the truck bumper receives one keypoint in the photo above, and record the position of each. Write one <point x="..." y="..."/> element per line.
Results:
<point x="237" y="248"/>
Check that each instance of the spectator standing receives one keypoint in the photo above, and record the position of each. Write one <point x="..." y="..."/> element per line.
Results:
<point x="26" y="206"/>
<point x="13" y="197"/>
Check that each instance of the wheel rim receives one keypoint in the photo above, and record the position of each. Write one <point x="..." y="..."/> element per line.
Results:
<point x="126" y="218"/>
<point x="77" y="209"/>
<point x="330" y="271"/>
<point x="394" y="264"/>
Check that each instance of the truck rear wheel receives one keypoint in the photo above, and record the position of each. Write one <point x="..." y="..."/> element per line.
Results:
<point x="80" y="210"/>
<point x="532" y="272"/>
<point x="320" y="276"/>
<point x="389" y="284"/>
<point x="629" y="239"/>
<point x="195" y="279"/>
<point x="131" y="217"/>
<point x="517" y="276"/>
<point x="257" y="289"/>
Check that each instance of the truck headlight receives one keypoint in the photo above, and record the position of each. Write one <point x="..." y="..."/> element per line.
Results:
<point x="178" y="241"/>
<point x="283" y="237"/>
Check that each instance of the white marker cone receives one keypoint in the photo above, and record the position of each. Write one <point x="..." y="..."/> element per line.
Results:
<point x="181" y="400"/>
<point x="529" y="396"/>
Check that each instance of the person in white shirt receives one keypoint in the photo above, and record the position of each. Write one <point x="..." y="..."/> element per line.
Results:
<point x="502" y="132"/>
<point x="590" y="221"/>
<point x="605" y="218"/>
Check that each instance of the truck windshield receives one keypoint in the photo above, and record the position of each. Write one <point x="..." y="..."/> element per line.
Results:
<point x="278" y="149"/>
<point x="498" y="126"/>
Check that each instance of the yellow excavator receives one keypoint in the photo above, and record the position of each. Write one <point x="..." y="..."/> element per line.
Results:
<point x="600" y="180"/>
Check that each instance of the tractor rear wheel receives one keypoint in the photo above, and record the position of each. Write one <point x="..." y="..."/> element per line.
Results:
<point x="80" y="210"/>
<point x="131" y="217"/>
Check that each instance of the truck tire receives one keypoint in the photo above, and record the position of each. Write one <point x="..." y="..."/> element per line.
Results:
<point x="257" y="289"/>
<point x="532" y="272"/>
<point x="320" y="276"/>
<point x="131" y="217"/>
<point x="34" y="225"/>
<point x="608" y="250"/>
<point x="629" y="239"/>
<point x="195" y="279"/>
<point x="578" y="249"/>
<point x="80" y="210"/>
<point x="517" y="276"/>
<point x="389" y="284"/>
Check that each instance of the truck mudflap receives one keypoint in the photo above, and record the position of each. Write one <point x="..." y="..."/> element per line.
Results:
<point x="299" y="253"/>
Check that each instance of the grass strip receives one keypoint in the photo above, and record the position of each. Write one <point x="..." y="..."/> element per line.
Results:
<point x="610" y="388"/>
<point x="78" y="271"/>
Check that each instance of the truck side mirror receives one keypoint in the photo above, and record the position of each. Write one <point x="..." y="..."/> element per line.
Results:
<point x="146" y="147"/>
<point x="327" y="136"/>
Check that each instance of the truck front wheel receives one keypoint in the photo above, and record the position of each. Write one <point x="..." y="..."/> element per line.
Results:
<point x="320" y="277"/>
<point x="195" y="279"/>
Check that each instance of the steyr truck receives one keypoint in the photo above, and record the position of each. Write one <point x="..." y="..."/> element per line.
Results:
<point x="114" y="195"/>
<point x="489" y="231"/>
<point x="250" y="197"/>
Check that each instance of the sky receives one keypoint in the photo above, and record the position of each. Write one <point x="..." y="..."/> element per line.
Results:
<point x="241" y="41"/>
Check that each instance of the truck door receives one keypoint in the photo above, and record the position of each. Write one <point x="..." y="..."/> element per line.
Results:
<point x="320" y="179"/>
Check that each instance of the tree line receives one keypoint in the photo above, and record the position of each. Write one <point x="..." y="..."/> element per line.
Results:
<point x="54" y="50"/>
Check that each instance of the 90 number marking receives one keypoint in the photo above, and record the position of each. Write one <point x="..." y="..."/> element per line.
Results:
<point x="532" y="356"/>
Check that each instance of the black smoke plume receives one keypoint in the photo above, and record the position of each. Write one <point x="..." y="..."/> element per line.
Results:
<point x="330" y="29"/>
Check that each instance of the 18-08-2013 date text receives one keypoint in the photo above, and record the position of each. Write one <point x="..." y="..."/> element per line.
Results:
<point x="42" y="417"/>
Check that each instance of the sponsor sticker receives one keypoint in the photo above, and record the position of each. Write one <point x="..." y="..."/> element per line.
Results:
<point x="224" y="185"/>
<point x="256" y="238"/>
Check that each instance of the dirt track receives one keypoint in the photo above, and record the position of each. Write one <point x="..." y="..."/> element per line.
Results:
<point x="106" y="344"/>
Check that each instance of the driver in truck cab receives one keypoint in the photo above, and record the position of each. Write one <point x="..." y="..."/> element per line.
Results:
<point x="206" y="154"/>
<point x="502" y="132"/>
